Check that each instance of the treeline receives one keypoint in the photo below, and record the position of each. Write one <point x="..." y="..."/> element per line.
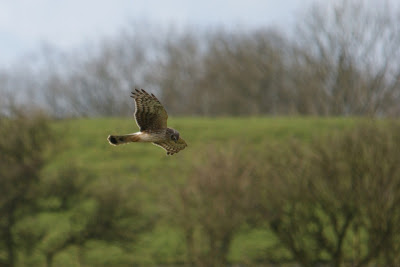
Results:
<point x="340" y="60"/>
<point x="334" y="201"/>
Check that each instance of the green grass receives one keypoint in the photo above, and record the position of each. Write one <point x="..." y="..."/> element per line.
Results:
<point x="83" y="142"/>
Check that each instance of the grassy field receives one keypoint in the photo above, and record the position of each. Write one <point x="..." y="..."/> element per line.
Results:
<point x="83" y="142"/>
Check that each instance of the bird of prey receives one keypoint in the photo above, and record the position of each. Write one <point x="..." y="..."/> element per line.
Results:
<point x="151" y="117"/>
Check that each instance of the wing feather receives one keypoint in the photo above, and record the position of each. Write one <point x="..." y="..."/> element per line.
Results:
<point x="149" y="112"/>
<point x="171" y="147"/>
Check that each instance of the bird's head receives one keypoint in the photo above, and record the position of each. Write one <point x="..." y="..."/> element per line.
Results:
<point x="174" y="136"/>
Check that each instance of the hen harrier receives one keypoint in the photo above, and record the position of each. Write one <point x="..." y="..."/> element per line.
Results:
<point x="151" y="117"/>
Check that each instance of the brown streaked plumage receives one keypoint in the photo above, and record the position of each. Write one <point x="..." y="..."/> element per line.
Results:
<point x="151" y="117"/>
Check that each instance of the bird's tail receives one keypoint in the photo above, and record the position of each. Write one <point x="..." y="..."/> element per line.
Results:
<point x="122" y="139"/>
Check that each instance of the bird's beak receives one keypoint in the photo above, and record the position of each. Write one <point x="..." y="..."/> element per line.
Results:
<point x="176" y="141"/>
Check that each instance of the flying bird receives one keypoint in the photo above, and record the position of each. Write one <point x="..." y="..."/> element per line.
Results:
<point x="151" y="117"/>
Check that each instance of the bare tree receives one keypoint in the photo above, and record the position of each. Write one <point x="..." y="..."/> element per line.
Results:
<point x="92" y="81"/>
<point x="244" y="74"/>
<point x="345" y="60"/>
<point x="222" y="72"/>
<point x="214" y="203"/>
<point x="98" y="83"/>
<point x="178" y="70"/>
<point x="339" y="199"/>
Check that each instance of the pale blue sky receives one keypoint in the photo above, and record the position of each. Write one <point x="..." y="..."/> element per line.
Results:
<point x="67" y="24"/>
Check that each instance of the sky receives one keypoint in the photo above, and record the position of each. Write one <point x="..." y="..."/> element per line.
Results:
<point x="25" y="25"/>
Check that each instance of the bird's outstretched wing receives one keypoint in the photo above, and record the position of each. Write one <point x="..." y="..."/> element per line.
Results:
<point x="149" y="113"/>
<point x="171" y="147"/>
